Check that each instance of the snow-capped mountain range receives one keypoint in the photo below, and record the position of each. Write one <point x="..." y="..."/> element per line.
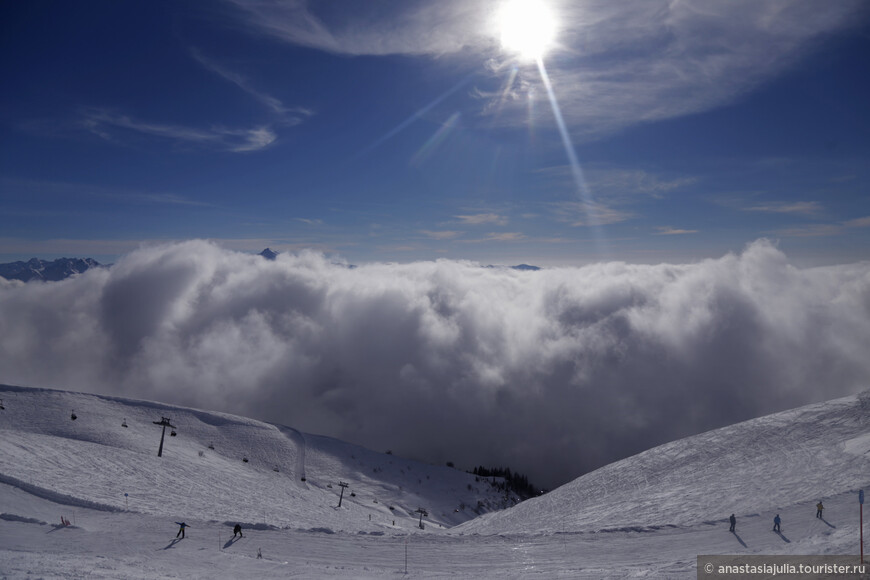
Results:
<point x="63" y="268"/>
<point x="53" y="271"/>
<point x="70" y="455"/>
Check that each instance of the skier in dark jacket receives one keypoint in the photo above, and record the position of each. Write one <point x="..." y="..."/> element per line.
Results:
<point x="237" y="530"/>
<point x="733" y="521"/>
<point x="181" y="529"/>
<point x="776" y="522"/>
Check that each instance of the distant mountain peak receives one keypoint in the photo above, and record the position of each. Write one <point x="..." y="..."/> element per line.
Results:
<point x="269" y="254"/>
<point x="521" y="267"/>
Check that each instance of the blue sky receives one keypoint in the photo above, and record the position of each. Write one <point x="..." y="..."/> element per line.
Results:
<point x="403" y="131"/>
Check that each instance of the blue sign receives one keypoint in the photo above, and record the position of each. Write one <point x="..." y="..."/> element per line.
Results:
<point x="861" y="497"/>
<point x="125" y="495"/>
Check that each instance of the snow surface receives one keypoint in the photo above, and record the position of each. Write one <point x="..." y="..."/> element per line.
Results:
<point x="647" y="516"/>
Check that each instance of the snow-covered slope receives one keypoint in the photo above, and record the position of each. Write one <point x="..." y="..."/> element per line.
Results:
<point x="290" y="479"/>
<point x="793" y="457"/>
<point x="648" y="516"/>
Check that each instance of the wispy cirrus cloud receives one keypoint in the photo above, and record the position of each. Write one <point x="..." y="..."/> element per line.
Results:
<point x="622" y="182"/>
<point x="365" y="28"/>
<point x="288" y="115"/>
<point x="483" y="218"/>
<point x="669" y="231"/>
<point x="505" y="236"/>
<point x="310" y="222"/>
<point x="620" y="63"/>
<point x="111" y="126"/>
<point x="584" y="214"/>
<point x="863" y="222"/>
<point x="619" y="183"/>
<point x="88" y="191"/>
<point x="828" y="229"/>
<point x="441" y="234"/>
<point x="811" y="231"/>
<point x="496" y="237"/>
<point x="795" y="207"/>
<point x="642" y="61"/>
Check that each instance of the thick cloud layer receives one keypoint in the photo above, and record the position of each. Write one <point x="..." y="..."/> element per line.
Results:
<point x="552" y="372"/>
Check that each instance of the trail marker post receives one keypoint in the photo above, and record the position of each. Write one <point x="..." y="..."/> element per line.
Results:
<point x="164" y="421"/>
<point x="861" y="525"/>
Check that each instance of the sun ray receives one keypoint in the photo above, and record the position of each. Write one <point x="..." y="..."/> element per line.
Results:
<point x="435" y="140"/>
<point x="593" y="218"/>
<point x="417" y="115"/>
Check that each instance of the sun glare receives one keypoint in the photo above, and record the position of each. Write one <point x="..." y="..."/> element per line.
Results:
<point x="527" y="27"/>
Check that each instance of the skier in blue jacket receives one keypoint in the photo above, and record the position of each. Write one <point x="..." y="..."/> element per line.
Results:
<point x="181" y="529"/>
<point x="776" y="522"/>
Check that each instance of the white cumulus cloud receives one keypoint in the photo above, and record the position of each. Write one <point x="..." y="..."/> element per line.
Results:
<point x="552" y="372"/>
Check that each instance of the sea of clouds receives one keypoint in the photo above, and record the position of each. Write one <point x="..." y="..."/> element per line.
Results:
<point x="551" y="373"/>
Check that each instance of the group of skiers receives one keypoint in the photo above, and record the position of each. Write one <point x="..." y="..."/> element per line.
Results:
<point x="777" y="521"/>
<point x="237" y="530"/>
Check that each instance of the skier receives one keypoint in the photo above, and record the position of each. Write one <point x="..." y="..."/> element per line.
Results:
<point x="733" y="521"/>
<point x="819" y="508"/>
<point x="776" y="522"/>
<point x="237" y="530"/>
<point x="181" y="529"/>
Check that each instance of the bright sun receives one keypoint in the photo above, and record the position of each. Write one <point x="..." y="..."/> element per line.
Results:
<point x="527" y="28"/>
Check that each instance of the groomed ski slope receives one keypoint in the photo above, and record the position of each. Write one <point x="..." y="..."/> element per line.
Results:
<point x="94" y="461"/>
<point x="647" y="516"/>
<point x="754" y="467"/>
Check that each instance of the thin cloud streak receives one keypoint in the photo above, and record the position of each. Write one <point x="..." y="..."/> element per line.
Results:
<point x="576" y="213"/>
<point x="441" y="235"/>
<point x="482" y="218"/>
<point x="289" y="115"/>
<point x="669" y="231"/>
<point x="567" y="368"/>
<point x="105" y="125"/>
<point x="497" y="237"/>
<point x="796" y="207"/>
<point x="363" y="28"/>
<point x="89" y="191"/>
<point x="819" y="230"/>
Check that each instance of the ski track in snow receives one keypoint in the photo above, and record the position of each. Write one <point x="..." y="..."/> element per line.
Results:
<point x="647" y="516"/>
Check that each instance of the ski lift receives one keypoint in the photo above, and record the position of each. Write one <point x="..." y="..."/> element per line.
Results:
<point x="303" y="478"/>
<point x="73" y="416"/>
<point x="2" y="408"/>
<point x="124" y="424"/>
<point x="244" y="459"/>
<point x="276" y="470"/>
<point x="173" y="433"/>
<point x="211" y="446"/>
